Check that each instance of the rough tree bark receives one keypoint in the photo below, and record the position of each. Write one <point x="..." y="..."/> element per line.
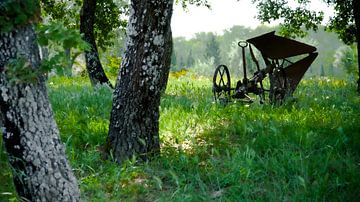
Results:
<point x="93" y="64"/>
<point x="356" y="10"/>
<point x="30" y="135"/>
<point x="134" y="122"/>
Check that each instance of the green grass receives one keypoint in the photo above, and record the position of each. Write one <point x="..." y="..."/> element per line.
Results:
<point x="307" y="150"/>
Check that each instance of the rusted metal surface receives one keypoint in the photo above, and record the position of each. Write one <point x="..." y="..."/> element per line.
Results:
<point x="296" y="71"/>
<point x="277" y="47"/>
<point x="284" y="74"/>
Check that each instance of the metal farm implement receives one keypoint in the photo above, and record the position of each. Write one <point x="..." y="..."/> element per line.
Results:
<point x="284" y="75"/>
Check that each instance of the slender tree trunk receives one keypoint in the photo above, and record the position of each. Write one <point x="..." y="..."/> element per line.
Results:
<point x="356" y="10"/>
<point x="134" y="122"/>
<point x="40" y="169"/>
<point x="93" y="64"/>
<point x="68" y="68"/>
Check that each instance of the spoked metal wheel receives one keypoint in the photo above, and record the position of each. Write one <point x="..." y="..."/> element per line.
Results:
<point x="221" y="84"/>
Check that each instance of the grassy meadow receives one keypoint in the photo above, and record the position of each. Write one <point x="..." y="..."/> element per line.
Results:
<point x="307" y="150"/>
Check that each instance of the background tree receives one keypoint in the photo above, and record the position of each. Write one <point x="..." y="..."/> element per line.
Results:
<point x="182" y="63"/>
<point x="345" y="22"/>
<point x="347" y="59"/>
<point x="97" y="20"/>
<point x="41" y="171"/>
<point x="212" y="50"/>
<point x="93" y="65"/>
<point x="190" y="61"/>
<point x="64" y="13"/>
<point x="173" y="60"/>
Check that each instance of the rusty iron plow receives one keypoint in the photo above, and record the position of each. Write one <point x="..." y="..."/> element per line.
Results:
<point x="285" y="62"/>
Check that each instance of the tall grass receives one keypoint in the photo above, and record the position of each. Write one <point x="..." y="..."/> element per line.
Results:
<point x="307" y="150"/>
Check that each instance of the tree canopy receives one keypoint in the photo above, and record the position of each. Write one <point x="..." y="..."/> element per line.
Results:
<point x="16" y="13"/>
<point x="296" y="18"/>
<point x="185" y="3"/>
<point x="107" y="17"/>
<point x="345" y="22"/>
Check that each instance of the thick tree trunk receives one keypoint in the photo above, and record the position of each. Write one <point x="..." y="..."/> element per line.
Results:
<point x="134" y="122"/>
<point x="36" y="154"/>
<point x="356" y="10"/>
<point x="93" y="64"/>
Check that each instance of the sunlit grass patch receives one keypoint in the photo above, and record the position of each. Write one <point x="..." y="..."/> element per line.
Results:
<point x="307" y="149"/>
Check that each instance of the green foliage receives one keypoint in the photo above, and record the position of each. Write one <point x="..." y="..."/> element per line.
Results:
<point x="55" y="36"/>
<point x="185" y="3"/>
<point x="294" y="19"/>
<point x="173" y="60"/>
<point x="56" y="32"/>
<point x="322" y="71"/>
<point x="300" y="17"/>
<point x="108" y="17"/>
<point x="343" y="22"/>
<point x="7" y="187"/>
<point x="112" y="65"/>
<point x="59" y="38"/>
<point x="190" y="61"/>
<point x="19" y="70"/>
<point x="346" y="58"/>
<point x="66" y="11"/>
<point x="15" y="13"/>
<point x="212" y="51"/>
<point x="307" y="150"/>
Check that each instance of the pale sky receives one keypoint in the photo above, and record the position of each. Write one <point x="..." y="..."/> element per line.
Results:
<point x="223" y="15"/>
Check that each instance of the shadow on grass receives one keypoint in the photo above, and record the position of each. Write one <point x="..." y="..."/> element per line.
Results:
<point x="306" y="150"/>
<point x="245" y="159"/>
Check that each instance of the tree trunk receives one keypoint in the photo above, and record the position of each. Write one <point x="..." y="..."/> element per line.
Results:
<point x="68" y="68"/>
<point x="36" y="154"/>
<point x="134" y="122"/>
<point x="93" y="64"/>
<point x="356" y="10"/>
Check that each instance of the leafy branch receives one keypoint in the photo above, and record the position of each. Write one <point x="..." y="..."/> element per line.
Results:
<point x="56" y="35"/>
<point x="60" y="38"/>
